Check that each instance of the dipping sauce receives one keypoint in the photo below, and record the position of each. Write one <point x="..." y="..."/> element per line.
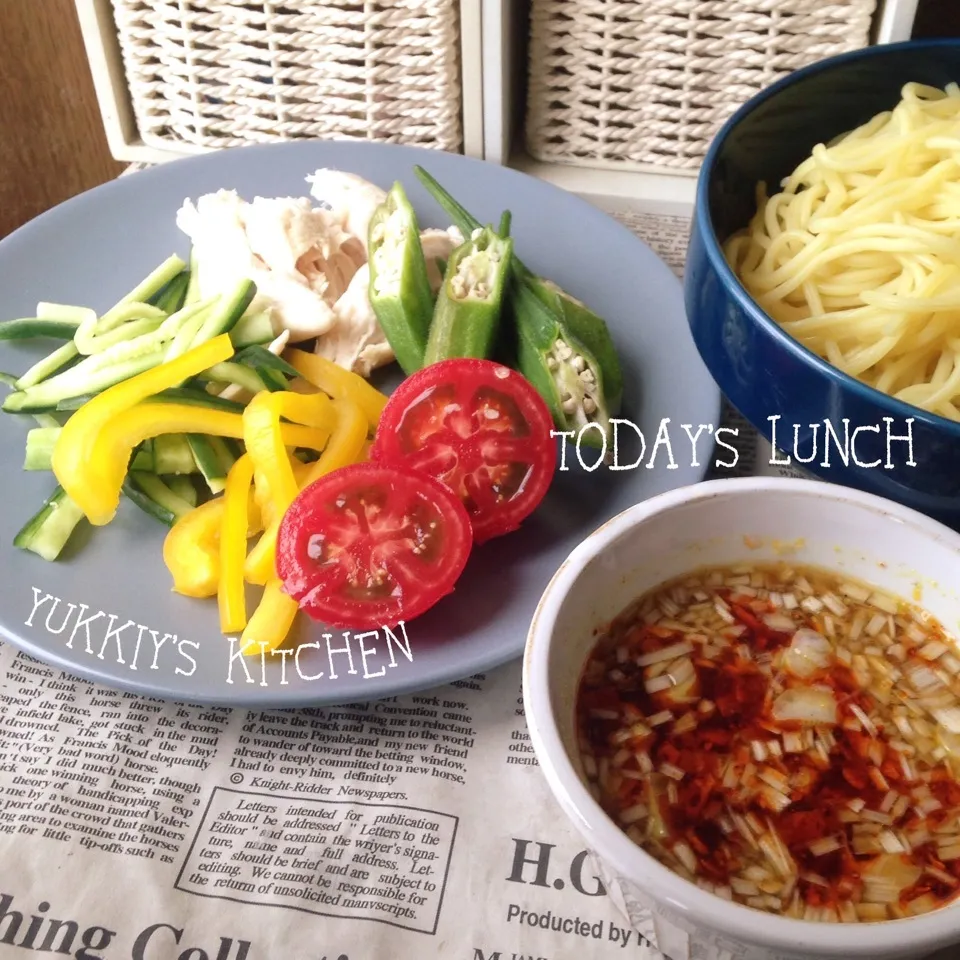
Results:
<point x="784" y="737"/>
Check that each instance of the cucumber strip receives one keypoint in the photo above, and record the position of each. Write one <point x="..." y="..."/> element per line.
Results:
<point x="207" y="460"/>
<point x="46" y="420"/>
<point x="173" y="296"/>
<point x="187" y="333"/>
<point x="227" y="312"/>
<point x="124" y="333"/>
<point x="124" y="322"/>
<point x="68" y="405"/>
<point x="193" y="287"/>
<point x="155" y="281"/>
<point x="227" y="450"/>
<point x="196" y="398"/>
<point x="157" y="491"/>
<point x="172" y="454"/>
<point x="135" y="305"/>
<point x="46" y="396"/>
<point x="64" y="312"/>
<point x="29" y="328"/>
<point x="46" y="533"/>
<point x="8" y="379"/>
<point x="142" y="459"/>
<point x="182" y="486"/>
<point x="133" y="493"/>
<point x="252" y="329"/>
<point x="274" y="380"/>
<point x="39" y="449"/>
<point x="48" y="366"/>
<point x="257" y="356"/>
<point x="237" y="373"/>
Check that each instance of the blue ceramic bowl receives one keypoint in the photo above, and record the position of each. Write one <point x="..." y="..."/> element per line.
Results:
<point x="766" y="373"/>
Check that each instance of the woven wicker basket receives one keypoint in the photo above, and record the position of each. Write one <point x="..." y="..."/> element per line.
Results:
<point x="224" y="73"/>
<point x="649" y="82"/>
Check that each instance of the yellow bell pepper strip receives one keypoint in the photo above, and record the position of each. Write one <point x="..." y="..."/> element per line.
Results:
<point x="346" y="442"/>
<point x="191" y="552"/>
<point x="271" y="621"/>
<point x="300" y="473"/>
<point x="343" y="448"/>
<point x="265" y="444"/>
<point x="264" y="441"/>
<point x="233" y="546"/>
<point x="340" y="383"/>
<point x="88" y="475"/>
<point x="191" y="549"/>
<point x="115" y="442"/>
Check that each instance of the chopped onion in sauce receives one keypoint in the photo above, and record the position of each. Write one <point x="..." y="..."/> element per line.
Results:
<point x="809" y="653"/>
<point x="783" y="737"/>
<point x="807" y="705"/>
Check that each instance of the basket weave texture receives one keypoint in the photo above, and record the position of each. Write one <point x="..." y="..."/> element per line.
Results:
<point x="650" y="82"/>
<point x="224" y="73"/>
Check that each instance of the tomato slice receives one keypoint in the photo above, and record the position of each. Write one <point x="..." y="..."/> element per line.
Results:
<point x="480" y="428"/>
<point x="369" y="545"/>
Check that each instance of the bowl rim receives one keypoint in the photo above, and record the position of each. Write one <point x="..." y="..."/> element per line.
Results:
<point x="708" y="234"/>
<point x="700" y="908"/>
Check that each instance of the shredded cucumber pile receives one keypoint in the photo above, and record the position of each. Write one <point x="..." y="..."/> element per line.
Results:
<point x="159" y="320"/>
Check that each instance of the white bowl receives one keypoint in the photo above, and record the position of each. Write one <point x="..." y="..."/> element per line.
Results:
<point x="724" y="521"/>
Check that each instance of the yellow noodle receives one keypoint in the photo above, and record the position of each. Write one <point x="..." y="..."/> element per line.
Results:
<point x="858" y="254"/>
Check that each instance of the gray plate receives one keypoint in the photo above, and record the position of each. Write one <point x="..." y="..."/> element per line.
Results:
<point x="94" y="248"/>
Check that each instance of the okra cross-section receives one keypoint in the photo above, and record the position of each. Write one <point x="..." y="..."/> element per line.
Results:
<point x="466" y="319"/>
<point x="565" y="372"/>
<point x="399" y="289"/>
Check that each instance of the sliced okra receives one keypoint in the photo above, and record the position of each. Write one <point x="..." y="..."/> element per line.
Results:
<point x="561" y="367"/>
<point x="590" y="330"/>
<point x="399" y="289"/>
<point x="584" y="325"/>
<point x="466" y="319"/>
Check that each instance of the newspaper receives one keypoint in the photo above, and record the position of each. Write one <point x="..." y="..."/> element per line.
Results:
<point x="408" y="828"/>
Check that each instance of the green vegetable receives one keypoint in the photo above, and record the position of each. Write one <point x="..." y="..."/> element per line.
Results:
<point x="196" y="315"/>
<point x="142" y="458"/>
<point x="46" y="533"/>
<point x="182" y="486"/>
<point x="90" y="376"/>
<point x="585" y="326"/>
<point x="565" y="373"/>
<point x="173" y="296"/>
<point x="172" y="454"/>
<point x="252" y="328"/>
<point x="579" y="376"/>
<point x="237" y="373"/>
<point x="466" y="319"/>
<point x="465" y="222"/>
<point x="198" y="398"/>
<point x="226" y="312"/>
<point x="399" y="290"/>
<point x="207" y="461"/>
<point x="63" y="312"/>
<point x="154" y="497"/>
<point x="48" y="366"/>
<point x="160" y="493"/>
<point x="504" y="229"/>
<point x="193" y="285"/>
<point x="40" y="444"/>
<point x="128" y="322"/>
<point x="260" y="358"/>
<point x="29" y="328"/>
<point x="154" y="282"/>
